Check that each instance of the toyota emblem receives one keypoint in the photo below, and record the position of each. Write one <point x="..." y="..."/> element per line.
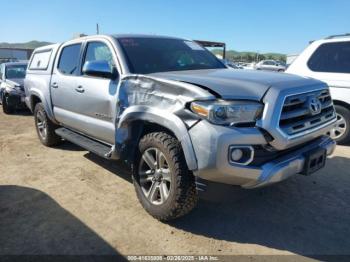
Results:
<point x="315" y="106"/>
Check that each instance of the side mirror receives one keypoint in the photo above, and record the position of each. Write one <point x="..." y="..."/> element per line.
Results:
<point x="100" y="68"/>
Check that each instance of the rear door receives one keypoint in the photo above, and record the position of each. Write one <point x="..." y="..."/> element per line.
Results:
<point x="331" y="63"/>
<point x="65" y="98"/>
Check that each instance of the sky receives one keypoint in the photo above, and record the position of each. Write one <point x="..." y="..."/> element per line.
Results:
<point x="284" y="26"/>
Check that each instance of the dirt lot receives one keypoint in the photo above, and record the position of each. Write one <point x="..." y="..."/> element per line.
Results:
<point x="65" y="200"/>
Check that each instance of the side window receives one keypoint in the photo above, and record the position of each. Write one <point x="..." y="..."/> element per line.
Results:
<point x="331" y="58"/>
<point x="1" y="71"/>
<point x="98" y="51"/>
<point x="69" y="59"/>
<point x="40" y="60"/>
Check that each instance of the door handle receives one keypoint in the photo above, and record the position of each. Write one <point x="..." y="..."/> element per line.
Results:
<point x="54" y="85"/>
<point x="80" y="89"/>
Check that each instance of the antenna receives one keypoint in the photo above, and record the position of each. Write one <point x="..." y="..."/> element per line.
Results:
<point x="97" y="29"/>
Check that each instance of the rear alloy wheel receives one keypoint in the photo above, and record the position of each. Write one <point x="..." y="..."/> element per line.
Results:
<point x="45" y="127"/>
<point x="164" y="185"/>
<point x="41" y="125"/>
<point x="341" y="132"/>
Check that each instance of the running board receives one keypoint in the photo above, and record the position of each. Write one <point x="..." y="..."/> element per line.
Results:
<point x="87" y="143"/>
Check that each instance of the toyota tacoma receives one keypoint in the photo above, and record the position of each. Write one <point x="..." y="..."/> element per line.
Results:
<point x="178" y="116"/>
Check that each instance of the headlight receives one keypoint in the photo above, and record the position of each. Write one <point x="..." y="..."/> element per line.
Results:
<point x="222" y="112"/>
<point x="17" y="88"/>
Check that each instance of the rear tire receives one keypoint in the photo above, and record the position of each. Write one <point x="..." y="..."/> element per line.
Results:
<point x="341" y="133"/>
<point x="164" y="185"/>
<point x="45" y="128"/>
<point x="6" y="108"/>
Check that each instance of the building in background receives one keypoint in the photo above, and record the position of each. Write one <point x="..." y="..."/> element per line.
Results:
<point x="9" y="54"/>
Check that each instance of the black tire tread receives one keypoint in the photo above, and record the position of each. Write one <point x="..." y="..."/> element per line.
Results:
<point x="5" y="107"/>
<point x="186" y="195"/>
<point x="52" y="139"/>
<point x="346" y="114"/>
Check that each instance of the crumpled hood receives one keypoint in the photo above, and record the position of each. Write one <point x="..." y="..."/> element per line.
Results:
<point x="15" y="82"/>
<point x="238" y="84"/>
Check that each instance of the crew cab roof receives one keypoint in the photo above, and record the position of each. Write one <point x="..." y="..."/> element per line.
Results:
<point x="143" y="36"/>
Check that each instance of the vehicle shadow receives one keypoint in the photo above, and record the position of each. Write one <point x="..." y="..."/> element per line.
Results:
<point x="118" y="168"/>
<point x="305" y="215"/>
<point x="309" y="215"/>
<point x="32" y="223"/>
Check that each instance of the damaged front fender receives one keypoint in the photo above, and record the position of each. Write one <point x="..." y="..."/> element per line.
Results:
<point x="158" y="101"/>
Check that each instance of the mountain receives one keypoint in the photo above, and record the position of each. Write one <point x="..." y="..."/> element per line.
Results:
<point x="30" y="45"/>
<point x="249" y="56"/>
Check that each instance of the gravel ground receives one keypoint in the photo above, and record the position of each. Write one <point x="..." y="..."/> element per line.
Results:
<point x="65" y="200"/>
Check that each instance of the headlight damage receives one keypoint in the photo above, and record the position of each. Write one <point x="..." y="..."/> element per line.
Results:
<point x="223" y="112"/>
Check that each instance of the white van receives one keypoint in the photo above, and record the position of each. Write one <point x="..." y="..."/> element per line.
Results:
<point x="329" y="61"/>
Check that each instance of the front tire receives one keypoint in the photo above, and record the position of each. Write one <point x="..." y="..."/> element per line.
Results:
<point x="45" y="128"/>
<point x="341" y="132"/>
<point x="164" y="185"/>
<point x="6" y="108"/>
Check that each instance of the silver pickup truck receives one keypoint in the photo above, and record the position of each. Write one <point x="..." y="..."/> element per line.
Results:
<point x="178" y="116"/>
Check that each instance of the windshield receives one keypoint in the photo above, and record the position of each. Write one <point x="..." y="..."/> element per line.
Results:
<point x="15" y="71"/>
<point x="151" y="55"/>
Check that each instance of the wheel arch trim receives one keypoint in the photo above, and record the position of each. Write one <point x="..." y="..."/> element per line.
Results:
<point x="37" y="93"/>
<point x="163" y="118"/>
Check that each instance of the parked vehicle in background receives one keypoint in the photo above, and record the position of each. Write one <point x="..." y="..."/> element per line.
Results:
<point x="178" y="116"/>
<point x="11" y="86"/>
<point x="329" y="61"/>
<point x="290" y="59"/>
<point x="270" y="65"/>
<point x="230" y="64"/>
<point x="250" y="66"/>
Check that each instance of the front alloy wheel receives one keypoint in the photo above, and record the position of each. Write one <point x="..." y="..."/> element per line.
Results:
<point x="164" y="186"/>
<point x="339" y="128"/>
<point x="154" y="173"/>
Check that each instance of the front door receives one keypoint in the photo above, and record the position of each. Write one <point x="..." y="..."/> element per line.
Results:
<point x="83" y="103"/>
<point x="99" y="106"/>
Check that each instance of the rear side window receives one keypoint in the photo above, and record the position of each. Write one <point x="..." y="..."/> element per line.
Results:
<point x="40" y="60"/>
<point x="69" y="59"/>
<point x="331" y="58"/>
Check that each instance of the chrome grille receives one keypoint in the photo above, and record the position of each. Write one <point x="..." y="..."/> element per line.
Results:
<point x="298" y="116"/>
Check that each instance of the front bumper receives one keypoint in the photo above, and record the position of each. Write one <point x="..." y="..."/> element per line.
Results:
<point x="211" y="144"/>
<point x="16" y="99"/>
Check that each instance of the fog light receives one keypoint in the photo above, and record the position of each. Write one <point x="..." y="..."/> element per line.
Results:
<point x="236" y="154"/>
<point x="241" y="155"/>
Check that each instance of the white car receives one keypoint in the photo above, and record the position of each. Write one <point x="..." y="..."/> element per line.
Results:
<point x="329" y="61"/>
<point x="250" y="66"/>
<point x="230" y="64"/>
<point x="270" y="65"/>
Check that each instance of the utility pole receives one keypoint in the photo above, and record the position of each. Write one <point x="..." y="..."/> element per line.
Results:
<point x="97" y="29"/>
